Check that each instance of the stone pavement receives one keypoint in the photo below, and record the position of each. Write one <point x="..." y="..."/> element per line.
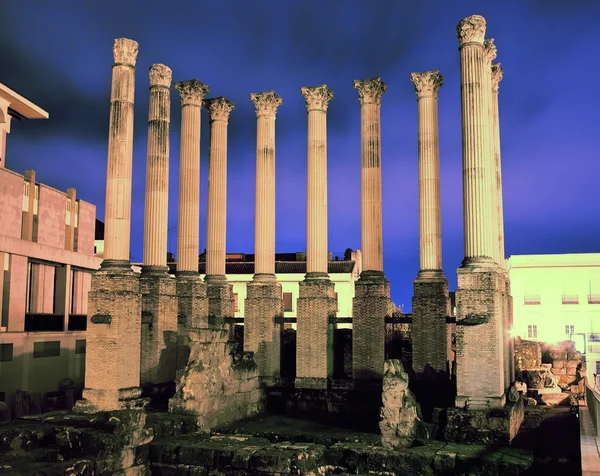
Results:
<point x="590" y="446"/>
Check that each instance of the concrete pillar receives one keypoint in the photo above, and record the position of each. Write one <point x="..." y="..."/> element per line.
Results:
<point x="316" y="301"/>
<point x="191" y="291"/>
<point x="219" y="293"/>
<point x="372" y="291"/>
<point x="114" y="311"/>
<point x="431" y="303"/>
<point x="480" y="296"/>
<point x="159" y="294"/>
<point x="264" y="295"/>
<point x="27" y="228"/>
<point x="70" y="228"/>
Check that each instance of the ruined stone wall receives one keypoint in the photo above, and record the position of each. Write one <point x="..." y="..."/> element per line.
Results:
<point x="528" y="354"/>
<point x="567" y="364"/>
<point x="218" y="384"/>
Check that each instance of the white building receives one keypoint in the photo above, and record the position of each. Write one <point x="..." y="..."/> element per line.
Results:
<point x="557" y="297"/>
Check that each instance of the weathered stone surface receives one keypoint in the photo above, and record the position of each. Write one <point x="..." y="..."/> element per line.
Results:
<point x="528" y="354"/>
<point x="400" y="421"/>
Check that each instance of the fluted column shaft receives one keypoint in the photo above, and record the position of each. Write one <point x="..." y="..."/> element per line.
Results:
<point x="264" y="232"/>
<point x="216" y="231"/>
<point x="496" y="78"/>
<point x="477" y="197"/>
<point x="188" y="226"/>
<point x="427" y="85"/>
<point x="370" y="92"/>
<point x="157" y="167"/>
<point x="117" y="215"/>
<point x="317" y="99"/>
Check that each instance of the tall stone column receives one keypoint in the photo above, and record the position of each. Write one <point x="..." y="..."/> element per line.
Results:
<point x="372" y="302"/>
<point x="159" y="293"/>
<point x="264" y="295"/>
<point x="480" y="296"/>
<point x="114" y="309"/>
<point x="431" y="303"/>
<point x="219" y="293"/>
<point x="316" y="301"/>
<point x="191" y="291"/>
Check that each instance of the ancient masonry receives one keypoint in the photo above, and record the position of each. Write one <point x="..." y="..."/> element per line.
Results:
<point x="153" y="329"/>
<point x="372" y="290"/>
<point x="431" y="304"/>
<point x="483" y="368"/>
<point x="159" y="298"/>
<point x="316" y="302"/>
<point x="264" y="295"/>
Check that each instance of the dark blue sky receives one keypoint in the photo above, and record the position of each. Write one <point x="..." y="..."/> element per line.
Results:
<point x="59" y="55"/>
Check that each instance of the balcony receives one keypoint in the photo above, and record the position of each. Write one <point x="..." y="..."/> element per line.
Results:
<point x="593" y="298"/>
<point x="532" y="299"/>
<point x="570" y="299"/>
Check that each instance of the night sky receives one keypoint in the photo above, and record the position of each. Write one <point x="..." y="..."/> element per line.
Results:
<point x="59" y="55"/>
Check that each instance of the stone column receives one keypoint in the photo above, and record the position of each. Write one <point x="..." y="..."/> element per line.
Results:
<point x="431" y="303"/>
<point x="480" y="349"/>
<point x="264" y="296"/>
<point x="372" y="291"/>
<point x="191" y="291"/>
<point x="496" y="78"/>
<point x="316" y="301"/>
<point x="159" y="299"/>
<point x="220" y="297"/>
<point x="114" y="308"/>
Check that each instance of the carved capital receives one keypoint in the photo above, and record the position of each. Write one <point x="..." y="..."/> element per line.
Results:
<point x="160" y="75"/>
<point x="125" y="51"/>
<point x="266" y="104"/>
<point x="427" y="83"/>
<point x="219" y="108"/>
<point x="317" y="97"/>
<point x="370" y="90"/>
<point x="191" y="92"/>
<point x="490" y="51"/>
<point x="496" y="76"/>
<point x="471" y="30"/>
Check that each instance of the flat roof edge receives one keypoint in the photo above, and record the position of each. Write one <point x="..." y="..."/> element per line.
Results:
<point x="23" y="106"/>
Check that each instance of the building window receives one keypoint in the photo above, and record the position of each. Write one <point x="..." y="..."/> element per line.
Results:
<point x="570" y="294"/>
<point x="288" y="305"/>
<point x="594" y="296"/>
<point x="532" y="295"/>
<point x="80" y="346"/>
<point x="5" y="290"/>
<point x="68" y="212"/>
<point x="532" y="331"/>
<point x="46" y="349"/>
<point x="597" y="367"/>
<point x="6" y="352"/>
<point x="569" y="329"/>
<point x="236" y="303"/>
<point x="26" y="196"/>
<point x="40" y="288"/>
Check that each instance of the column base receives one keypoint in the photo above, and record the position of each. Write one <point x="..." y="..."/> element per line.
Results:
<point x="430" y="336"/>
<point x="159" y="339"/>
<point x="370" y="307"/>
<point x="220" y="299"/>
<point x="261" y="335"/>
<point x="314" y="332"/>
<point x="480" y="337"/>
<point x="95" y="400"/>
<point x="113" y="336"/>
<point x="192" y="311"/>
<point x="310" y="382"/>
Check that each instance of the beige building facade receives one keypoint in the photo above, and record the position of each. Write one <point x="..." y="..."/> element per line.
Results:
<point x="556" y="298"/>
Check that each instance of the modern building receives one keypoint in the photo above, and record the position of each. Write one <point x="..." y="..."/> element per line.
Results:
<point x="556" y="298"/>
<point x="47" y="257"/>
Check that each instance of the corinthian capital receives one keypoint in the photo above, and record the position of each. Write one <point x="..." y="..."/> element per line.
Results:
<point x="496" y="76"/>
<point x="490" y="51"/>
<point x="266" y="104"/>
<point x="317" y="97"/>
<point x="160" y="75"/>
<point x="370" y="90"/>
<point x="471" y="29"/>
<point x="219" y="108"/>
<point x="191" y="92"/>
<point x="427" y="84"/>
<point x="125" y="51"/>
